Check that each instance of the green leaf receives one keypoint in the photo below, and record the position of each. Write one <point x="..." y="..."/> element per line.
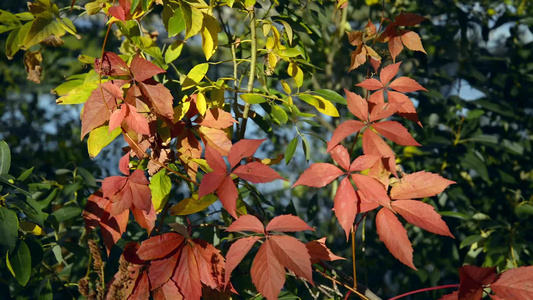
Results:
<point x="193" y="20"/>
<point x="330" y="95"/>
<point x="133" y="7"/>
<point x="195" y="75"/>
<point x="25" y="174"/>
<point x="469" y="240"/>
<point x="146" y="4"/>
<point x="524" y="210"/>
<point x="5" y="158"/>
<point x="10" y="20"/>
<point x="288" y="30"/>
<point x="77" y="95"/>
<point x="279" y="114"/>
<point x="67" y="213"/>
<point x="31" y="209"/>
<point x="9" y="225"/>
<point x="173" y="51"/>
<point x="306" y="148"/>
<point x="210" y="29"/>
<point x="99" y="138"/>
<point x="12" y="43"/>
<point x="252" y="98"/>
<point x="40" y="29"/>
<point x="291" y="148"/>
<point x="19" y="263"/>
<point x="176" y="23"/>
<point x="160" y="186"/>
<point x="46" y="292"/>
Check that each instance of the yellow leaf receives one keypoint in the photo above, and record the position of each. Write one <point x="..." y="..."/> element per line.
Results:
<point x="181" y="110"/>
<point x="272" y="60"/>
<point x="272" y="161"/>
<point x="173" y="51"/>
<point x="296" y="73"/>
<point x="195" y="75"/>
<point x="78" y="95"/>
<point x="201" y="103"/>
<point x="192" y="205"/>
<point x="210" y="30"/>
<point x="160" y="186"/>
<point x="31" y="228"/>
<point x="99" y="138"/>
<point x="322" y="105"/>
<point x="193" y="20"/>
<point x="286" y="87"/>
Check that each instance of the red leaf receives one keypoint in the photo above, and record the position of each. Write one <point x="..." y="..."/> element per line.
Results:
<point x="395" y="132"/>
<point x="227" y="193"/>
<point x="216" y="138"/>
<point x="388" y="72"/>
<point x="287" y="223"/>
<point x="124" y="164"/>
<point x="292" y="254"/>
<point x="452" y="296"/>
<point x="159" y="246"/>
<point x="472" y="281"/>
<point x="97" y="213"/>
<point x="210" y="264"/>
<point x="112" y="65"/>
<point x="135" y="120"/>
<point x="217" y="118"/>
<point x="419" y="185"/>
<point x="408" y="19"/>
<point x="113" y="89"/>
<point x="117" y="117"/>
<point x="139" y="191"/>
<point x="143" y="69"/>
<point x="412" y="41"/>
<point x="161" y="270"/>
<point x="515" y="284"/>
<point x="395" y="46"/>
<point x="237" y="251"/>
<point x="145" y="219"/>
<point x="318" y="175"/>
<point x="341" y="156"/>
<point x="215" y="160"/>
<point x="268" y="275"/>
<point x="345" y="205"/>
<point x="357" y="105"/>
<point x="345" y="129"/>
<point x="319" y="251"/>
<point x="247" y="223"/>
<point x="373" y="144"/>
<point x="242" y="149"/>
<point x="160" y="98"/>
<point x="363" y="162"/>
<point x="371" y="84"/>
<point x="142" y="288"/>
<point x="362" y="204"/>
<point x="169" y="291"/>
<point x="406" y="85"/>
<point x="257" y="172"/>
<point x="372" y="189"/>
<point x="383" y="110"/>
<point x="422" y="215"/>
<point x="186" y="276"/>
<point x="377" y="97"/>
<point x="97" y="110"/>
<point x="392" y="233"/>
<point x="407" y="109"/>
<point x="210" y="182"/>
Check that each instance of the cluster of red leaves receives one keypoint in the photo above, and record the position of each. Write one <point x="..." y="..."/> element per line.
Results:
<point x="110" y="206"/>
<point x="170" y="266"/>
<point x="276" y="253"/>
<point x="395" y="36"/>
<point x="511" y="284"/>
<point x="220" y="179"/>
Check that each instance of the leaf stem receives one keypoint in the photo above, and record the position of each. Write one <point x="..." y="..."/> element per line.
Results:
<point x="426" y="290"/>
<point x="354" y="228"/>
<point x="251" y="77"/>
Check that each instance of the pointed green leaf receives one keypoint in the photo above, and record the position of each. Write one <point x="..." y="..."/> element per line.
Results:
<point x="253" y="98"/>
<point x="195" y="75"/>
<point x="291" y="148"/>
<point x="173" y="51"/>
<point x="19" y="263"/>
<point x="330" y="95"/>
<point x="9" y="225"/>
<point x="160" y="186"/>
<point x="279" y="114"/>
<point x="5" y="158"/>
<point x="176" y="23"/>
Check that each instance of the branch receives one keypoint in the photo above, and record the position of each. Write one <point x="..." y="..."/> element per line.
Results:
<point x="251" y="77"/>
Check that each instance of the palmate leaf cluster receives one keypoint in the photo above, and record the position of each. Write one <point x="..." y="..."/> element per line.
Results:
<point x="179" y="101"/>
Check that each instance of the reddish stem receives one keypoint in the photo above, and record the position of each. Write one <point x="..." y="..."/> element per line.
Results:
<point x="425" y="290"/>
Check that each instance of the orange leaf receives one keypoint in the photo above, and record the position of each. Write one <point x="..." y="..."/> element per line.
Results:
<point x="345" y="205"/>
<point x="247" y="223"/>
<point x="371" y="84"/>
<point x="318" y="175"/>
<point x="210" y="264"/>
<point x="319" y="251"/>
<point x="388" y="72"/>
<point x="161" y="270"/>
<point x="394" y="236"/>
<point x="187" y="276"/>
<point x="97" y="110"/>
<point x="395" y="132"/>
<point x="395" y="46"/>
<point x="159" y="246"/>
<point x="422" y="215"/>
<point x="375" y="145"/>
<point x="242" y="149"/>
<point x="210" y="182"/>
<point x="217" y="118"/>
<point x="363" y="162"/>
<point x="227" y="193"/>
<point x="372" y="189"/>
<point x="143" y="69"/>
<point x="257" y="172"/>
<point x="292" y="254"/>
<point x="341" y="156"/>
<point x="357" y="105"/>
<point x="237" y="251"/>
<point x="268" y="275"/>
<point x="515" y="284"/>
<point x="287" y="223"/>
<point x="412" y="41"/>
<point x="345" y="129"/>
<point x="405" y="85"/>
<point x="419" y="185"/>
<point x="215" y="160"/>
